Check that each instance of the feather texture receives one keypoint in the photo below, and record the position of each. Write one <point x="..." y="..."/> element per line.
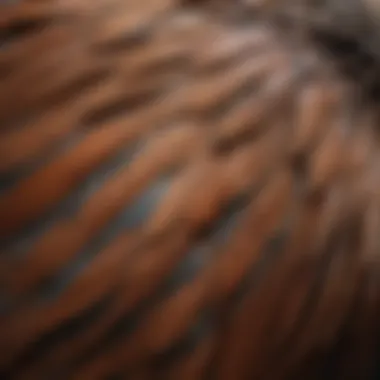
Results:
<point x="187" y="191"/>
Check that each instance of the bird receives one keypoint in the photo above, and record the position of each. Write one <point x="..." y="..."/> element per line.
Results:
<point x="189" y="190"/>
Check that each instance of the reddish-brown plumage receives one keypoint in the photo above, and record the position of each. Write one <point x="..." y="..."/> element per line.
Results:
<point x="188" y="191"/>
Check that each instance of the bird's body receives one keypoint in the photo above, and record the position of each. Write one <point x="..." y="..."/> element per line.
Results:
<point x="186" y="192"/>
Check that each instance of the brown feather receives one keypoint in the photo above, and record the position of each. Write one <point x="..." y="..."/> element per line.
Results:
<point x="188" y="191"/>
